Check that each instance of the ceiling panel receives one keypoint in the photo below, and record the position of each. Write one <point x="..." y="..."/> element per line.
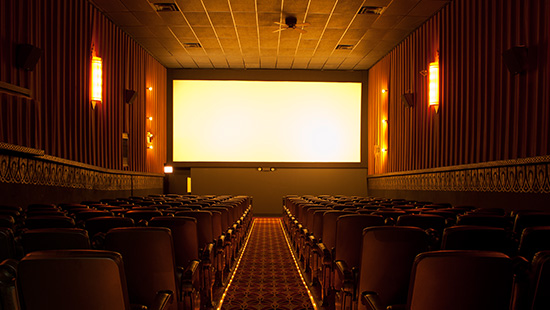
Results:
<point x="242" y="34"/>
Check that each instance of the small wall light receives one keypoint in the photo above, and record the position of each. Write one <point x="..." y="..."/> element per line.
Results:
<point x="149" y="140"/>
<point x="168" y="169"/>
<point x="384" y="149"/>
<point x="150" y="118"/>
<point x="150" y="88"/>
<point x="384" y="91"/>
<point x="433" y="90"/>
<point x="97" y="81"/>
<point x="385" y="121"/>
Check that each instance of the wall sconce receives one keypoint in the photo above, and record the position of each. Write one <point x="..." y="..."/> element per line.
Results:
<point x="150" y="118"/>
<point x="385" y="121"/>
<point x="384" y="149"/>
<point x="150" y="88"/>
<point x="384" y="91"/>
<point x="263" y="169"/>
<point x="168" y="169"/>
<point x="149" y="140"/>
<point x="97" y="81"/>
<point x="433" y="91"/>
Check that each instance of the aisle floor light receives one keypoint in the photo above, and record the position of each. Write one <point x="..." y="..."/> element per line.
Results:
<point x="97" y="80"/>
<point x="433" y="91"/>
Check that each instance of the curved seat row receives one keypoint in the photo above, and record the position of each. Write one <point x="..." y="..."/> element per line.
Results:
<point x="364" y="254"/>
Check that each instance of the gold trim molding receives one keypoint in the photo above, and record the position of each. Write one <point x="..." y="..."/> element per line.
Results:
<point x="63" y="173"/>
<point x="526" y="175"/>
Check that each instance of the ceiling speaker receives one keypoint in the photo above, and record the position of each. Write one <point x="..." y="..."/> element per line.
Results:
<point x="27" y="56"/>
<point x="516" y="59"/>
<point x="129" y="96"/>
<point x="408" y="99"/>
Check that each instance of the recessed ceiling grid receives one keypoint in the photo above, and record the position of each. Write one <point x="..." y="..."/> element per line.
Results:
<point x="239" y="34"/>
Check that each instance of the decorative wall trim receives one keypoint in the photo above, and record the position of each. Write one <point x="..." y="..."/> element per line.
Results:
<point x="51" y="171"/>
<point x="526" y="175"/>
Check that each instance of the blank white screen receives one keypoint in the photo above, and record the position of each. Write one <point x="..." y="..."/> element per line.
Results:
<point x="258" y="121"/>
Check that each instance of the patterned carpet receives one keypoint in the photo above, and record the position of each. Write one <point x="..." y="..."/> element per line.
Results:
<point x="267" y="277"/>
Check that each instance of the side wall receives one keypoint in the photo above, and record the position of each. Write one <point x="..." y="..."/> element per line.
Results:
<point x="56" y="115"/>
<point x="486" y="113"/>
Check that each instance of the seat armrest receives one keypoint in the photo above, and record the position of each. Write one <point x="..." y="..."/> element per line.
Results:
<point x="323" y="248"/>
<point x="207" y="253"/>
<point x="371" y="301"/>
<point x="343" y="270"/>
<point x="162" y="299"/>
<point x="312" y="239"/>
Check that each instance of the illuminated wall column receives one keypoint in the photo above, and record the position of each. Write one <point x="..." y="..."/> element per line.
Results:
<point x="384" y="129"/>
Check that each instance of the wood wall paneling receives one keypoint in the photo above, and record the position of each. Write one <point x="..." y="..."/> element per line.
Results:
<point x="486" y="113"/>
<point x="59" y="118"/>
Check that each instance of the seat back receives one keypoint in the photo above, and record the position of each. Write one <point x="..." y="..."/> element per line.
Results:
<point x="482" y="219"/>
<point x="530" y="219"/>
<point x="204" y="225"/>
<point x="349" y="234"/>
<point x="148" y="255"/>
<point x="7" y="244"/>
<point x="72" y="279"/>
<point x="458" y="280"/>
<point x="485" y="238"/>
<point x="104" y="224"/>
<point x="142" y="215"/>
<point x="387" y="256"/>
<point x="54" y="239"/>
<point x="533" y="240"/>
<point x="184" y="234"/>
<point x="329" y="227"/>
<point x="37" y="222"/>
<point x="540" y="282"/>
<point x="424" y="221"/>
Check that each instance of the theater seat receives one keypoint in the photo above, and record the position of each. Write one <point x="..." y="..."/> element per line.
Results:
<point x="470" y="237"/>
<point x="76" y="279"/>
<point x="533" y="240"/>
<point x="148" y="255"/>
<point x="459" y="280"/>
<point x="387" y="257"/>
<point x="539" y="298"/>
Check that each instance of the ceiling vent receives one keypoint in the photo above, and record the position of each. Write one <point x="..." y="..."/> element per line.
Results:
<point x="192" y="45"/>
<point x="345" y="47"/>
<point x="165" y="7"/>
<point x="375" y="10"/>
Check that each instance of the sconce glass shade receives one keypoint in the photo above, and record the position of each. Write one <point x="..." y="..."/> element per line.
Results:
<point x="433" y="91"/>
<point x="97" y="80"/>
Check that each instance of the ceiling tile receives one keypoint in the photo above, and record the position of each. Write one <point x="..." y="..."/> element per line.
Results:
<point x="268" y="19"/>
<point x="295" y="6"/>
<point x="317" y="20"/>
<point x="161" y="31"/>
<point x="245" y="19"/>
<point x="243" y="5"/>
<point x="378" y="3"/>
<point x="210" y="43"/>
<point x="348" y="6"/>
<point x="321" y="6"/>
<point x="395" y="35"/>
<point x="204" y="32"/>
<point x="363" y="21"/>
<point x="173" y="18"/>
<point x="387" y="22"/>
<point x="190" y="5"/>
<point x="339" y="21"/>
<point x="226" y="33"/>
<point x="139" y="31"/>
<point x="427" y="8"/>
<point x="125" y="18"/>
<point x="216" y="5"/>
<point x="138" y="5"/>
<point x="410" y="22"/>
<point x="214" y="52"/>
<point x="110" y="5"/>
<point x="149" y="18"/>
<point x="333" y="34"/>
<point x="182" y="32"/>
<point x="402" y="7"/>
<point x="269" y="5"/>
<point x="221" y="19"/>
<point x="197" y="18"/>
<point x="354" y="35"/>
<point x="248" y="32"/>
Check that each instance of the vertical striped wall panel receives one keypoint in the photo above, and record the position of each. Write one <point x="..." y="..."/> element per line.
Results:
<point x="58" y="117"/>
<point x="486" y="113"/>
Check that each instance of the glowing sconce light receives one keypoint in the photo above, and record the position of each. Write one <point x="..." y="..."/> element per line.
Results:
<point x="150" y="88"/>
<point x="189" y="184"/>
<point x="97" y="80"/>
<point x="433" y="91"/>
<point x="384" y="91"/>
<point x="149" y="140"/>
<point x="384" y="149"/>
<point x="385" y="121"/>
<point x="168" y="169"/>
<point x="150" y="118"/>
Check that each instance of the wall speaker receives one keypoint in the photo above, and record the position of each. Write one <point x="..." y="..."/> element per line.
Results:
<point x="129" y="96"/>
<point x="408" y="100"/>
<point x="27" y="56"/>
<point x="516" y="59"/>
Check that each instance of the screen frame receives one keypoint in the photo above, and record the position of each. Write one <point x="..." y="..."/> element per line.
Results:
<point x="266" y="75"/>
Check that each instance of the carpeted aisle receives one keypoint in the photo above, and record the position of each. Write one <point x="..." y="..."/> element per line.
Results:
<point x="267" y="277"/>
